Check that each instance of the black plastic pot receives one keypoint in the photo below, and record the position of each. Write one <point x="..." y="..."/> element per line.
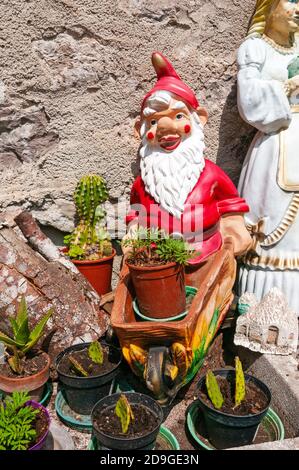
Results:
<point x="82" y="393"/>
<point x="146" y="442"/>
<point x="225" y="430"/>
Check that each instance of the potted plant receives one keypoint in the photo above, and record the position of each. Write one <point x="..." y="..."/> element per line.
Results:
<point x="85" y="372"/>
<point x="156" y="264"/>
<point x="24" y="368"/>
<point x="89" y="245"/>
<point x="24" y="424"/>
<point x="126" y="421"/>
<point x="233" y="405"/>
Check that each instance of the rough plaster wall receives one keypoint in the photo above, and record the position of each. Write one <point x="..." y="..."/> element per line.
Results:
<point x="73" y="73"/>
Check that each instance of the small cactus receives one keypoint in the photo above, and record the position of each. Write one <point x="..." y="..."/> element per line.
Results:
<point x="240" y="383"/>
<point x="90" y="240"/>
<point x="213" y="389"/>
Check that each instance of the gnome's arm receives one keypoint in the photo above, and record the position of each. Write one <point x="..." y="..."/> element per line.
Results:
<point x="231" y="208"/>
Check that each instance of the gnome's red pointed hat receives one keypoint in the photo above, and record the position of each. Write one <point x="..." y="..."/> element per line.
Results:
<point x="169" y="80"/>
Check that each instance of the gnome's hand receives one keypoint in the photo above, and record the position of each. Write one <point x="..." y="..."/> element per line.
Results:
<point x="233" y="225"/>
<point x="131" y="234"/>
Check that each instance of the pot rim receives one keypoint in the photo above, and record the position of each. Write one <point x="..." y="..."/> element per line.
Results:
<point x="28" y="377"/>
<point x="46" y="413"/>
<point x="158" y="267"/>
<point x="124" y="439"/>
<point x="94" y="261"/>
<point x="64" y="352"/>
<point x="248" y="377"/>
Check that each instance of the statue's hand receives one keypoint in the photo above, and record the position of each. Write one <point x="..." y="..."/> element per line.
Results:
<point x="131" y="234"/>
<point x="233" y="225"/>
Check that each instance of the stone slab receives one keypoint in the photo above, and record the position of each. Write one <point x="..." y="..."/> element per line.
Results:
<point x="281" y="374"/>
<point x="286" y="444"/>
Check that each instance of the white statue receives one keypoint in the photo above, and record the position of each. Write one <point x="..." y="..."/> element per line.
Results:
<point x="268" y="92"/>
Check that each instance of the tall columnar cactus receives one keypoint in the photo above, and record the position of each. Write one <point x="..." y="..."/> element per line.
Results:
<point x="90" y="240"/>
<point x="90" y="192"/>
<point x="240" y="383"/>
<point x="213" y="389"/>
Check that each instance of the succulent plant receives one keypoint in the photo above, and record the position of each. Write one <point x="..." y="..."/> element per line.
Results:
<point x="213" y="389"/>
<point x="90" y="240"/>
<point x="155" y="244"/>
<point x="240" y="383"/>
<point x="124" y="412"/>
<point x="22" y="340"/>
<point x="95" y="354"/>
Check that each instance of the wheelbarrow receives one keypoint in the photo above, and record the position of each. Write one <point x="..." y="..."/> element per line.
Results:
<point x="167" y="355"/>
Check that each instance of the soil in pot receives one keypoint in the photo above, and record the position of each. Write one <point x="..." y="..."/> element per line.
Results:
<point x="41" y="425"/>
<point x="82" y="393"/>
<point x="142" y="431"/>
<point x="107" y="422"/>
<point x="33" y="378"/>
<point x="33" y="363"/>
<point x="234" y="426"/>
<point x="93" y="369"/>
<point x="255" y="401"/>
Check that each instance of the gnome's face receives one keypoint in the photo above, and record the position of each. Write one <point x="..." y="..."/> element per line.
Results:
<point x="172" y="150"/>
<point x="169" y="127"/>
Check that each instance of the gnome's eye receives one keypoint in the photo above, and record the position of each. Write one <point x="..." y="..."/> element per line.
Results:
<point x="153" y="122"/>
<point x="179" y="116"/>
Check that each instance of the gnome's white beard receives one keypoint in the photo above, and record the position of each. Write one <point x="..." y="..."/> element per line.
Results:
<point x="170" y="177"/>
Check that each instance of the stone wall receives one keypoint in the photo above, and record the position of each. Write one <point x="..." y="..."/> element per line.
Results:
<point x="73" y="73"/>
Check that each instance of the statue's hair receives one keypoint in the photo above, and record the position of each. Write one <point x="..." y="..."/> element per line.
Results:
<point x="258" y="21"/>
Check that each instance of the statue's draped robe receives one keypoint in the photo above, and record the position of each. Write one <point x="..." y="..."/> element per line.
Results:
<point x="270" y="175"/>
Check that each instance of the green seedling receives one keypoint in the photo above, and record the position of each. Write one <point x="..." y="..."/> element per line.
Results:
<point x="95" y="353"/>
<point x="77" y="367"/>
<point x="124" y="412"/>
<point x="240" y="383"/>
<point x="214" y="392"/>
<point x="213" y="389"/>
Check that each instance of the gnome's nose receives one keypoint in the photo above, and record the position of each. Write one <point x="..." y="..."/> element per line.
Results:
<point x="165" y="125"/>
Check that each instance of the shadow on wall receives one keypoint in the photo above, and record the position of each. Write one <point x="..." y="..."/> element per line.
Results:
<point x="234" y="139"/>
<point x="55" y="235"/>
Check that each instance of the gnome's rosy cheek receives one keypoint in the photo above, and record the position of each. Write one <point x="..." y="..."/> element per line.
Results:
<point x="187" y="128"/>
<point x="150" y="135"/>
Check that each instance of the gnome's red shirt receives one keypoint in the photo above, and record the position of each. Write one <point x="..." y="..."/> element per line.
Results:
<point x="213" y="196"/>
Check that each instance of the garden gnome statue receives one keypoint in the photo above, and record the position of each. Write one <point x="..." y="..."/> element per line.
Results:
<point x="179" y="191"/>
<point x="268" y="92"/>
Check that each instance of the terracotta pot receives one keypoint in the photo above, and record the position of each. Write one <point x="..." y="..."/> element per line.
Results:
<point x="34" y="384"/>
<point x="160" y="290"/>
<point x="97" y="272"/>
